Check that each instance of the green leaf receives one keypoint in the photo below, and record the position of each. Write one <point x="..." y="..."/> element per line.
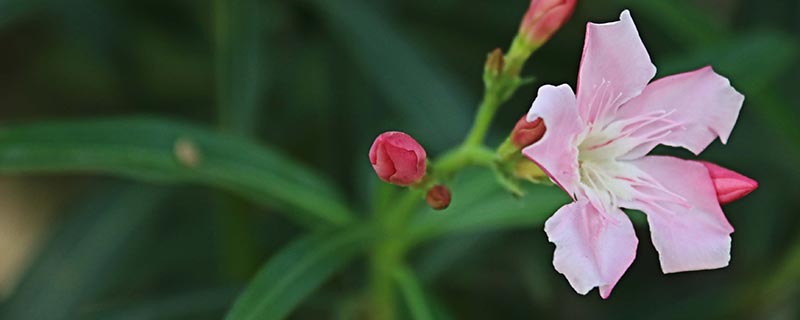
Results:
<point x="296" y="271"/>
<point x="11" y="10"/>
<point x="145" y="148"/>
<point x="239" y="58"/>
<point x="429" y="100"/>
<point x="81" y="257"/>
<point x="183" y="305"/>
<point x="679" y="19"/>
<point x="727" y="57"/>
<point x="479" y="205"/>
<point x="413" y="294"/>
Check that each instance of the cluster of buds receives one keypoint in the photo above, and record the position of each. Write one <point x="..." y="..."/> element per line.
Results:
<point x="400" y="160"/>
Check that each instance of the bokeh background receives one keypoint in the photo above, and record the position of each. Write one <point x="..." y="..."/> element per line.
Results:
<point x="318" y="80"/>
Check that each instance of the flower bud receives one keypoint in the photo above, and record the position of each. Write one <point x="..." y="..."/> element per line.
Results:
<point x="528" y="170"/>
<point x="730" y="185"/>
<point x="397" y="158"/>
<point x="544" y="18"/>
<point x="438" y="197"/>
<point x="495" y="62"/>
<point x="526" y="133"/>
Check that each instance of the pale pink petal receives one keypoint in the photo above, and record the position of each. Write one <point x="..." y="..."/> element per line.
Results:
<point x="693" y="109"/>
<point x="615" y="67"/>
<point x="690" y="233"/>
<point x="593" y="248"/>
<point x="557" y="151"/>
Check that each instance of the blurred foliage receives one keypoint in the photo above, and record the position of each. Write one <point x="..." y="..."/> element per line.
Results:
<point x="281" y="100"/>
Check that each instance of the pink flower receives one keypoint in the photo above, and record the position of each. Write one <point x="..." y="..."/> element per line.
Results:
<point x="730" y="185"/>
<point x="595" y="148"/>
<point x="544" y="18"/>
<point x="397" y="158"/>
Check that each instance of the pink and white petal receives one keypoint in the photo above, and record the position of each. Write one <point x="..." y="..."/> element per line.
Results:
<point x="690" y="234"/>
<point x="593" y="248"/>
<point x="557" y="151"/>
<point x="695" y="107"/>
<point x="615" y="67"/>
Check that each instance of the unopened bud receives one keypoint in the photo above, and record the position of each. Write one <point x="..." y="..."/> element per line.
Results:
<point x="495" y="62"/>
<point x="526" y="133"/>
<point x="730" y="185"/>
<point x="438" y="197"/>
<point x="397" y="158"/>
<point x="528" y="170"/>
<point x="544" y="18"/>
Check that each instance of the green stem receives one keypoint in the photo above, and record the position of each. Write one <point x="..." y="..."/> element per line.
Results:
<point x="389" y="253"/>
<point x="462" y="157"/>
<point x="521" y="49"/>
<point x="483" y="119"/>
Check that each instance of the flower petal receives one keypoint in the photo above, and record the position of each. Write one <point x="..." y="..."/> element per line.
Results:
<point x="695" y="107"/>
<point x="693" y="235"/>
<point x="615" y="67"/>
<point x="593" y="248"/>
<point x="557" y="151"/>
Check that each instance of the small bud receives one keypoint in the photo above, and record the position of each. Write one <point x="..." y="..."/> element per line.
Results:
<point x="397" y="158"/>
<point x="528" y="170"/>
<point x="494" y="63"/>
<point x="438" y="197"/>
<point x="526" y="133"/>
<point x="186" y="152"/>
<point x="544" y="18"/>
<point x="730" y="185"/>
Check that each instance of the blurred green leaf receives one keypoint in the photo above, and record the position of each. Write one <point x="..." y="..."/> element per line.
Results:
<point x="296" y="271"/>
<point x="413" y="294"/>
<point x="145" y="148"/>
<point x="239" y="57"/>
<point x="13" y="9"/>
<point x="768" y="54"/>
<point x="431" y="102"/>
<point x="183" y="305"/>
<point x="80" y="260"/>
<point x="487" y="207"/>
<point x="679" y="19"/>
<point x="446" y="252"/>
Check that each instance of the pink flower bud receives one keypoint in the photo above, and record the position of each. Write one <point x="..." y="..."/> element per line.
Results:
<point x="526" y="133"/>
<point x="730" y="185"/>
<point x="544" y="18"/>
<point x="397" y="158"/>
<point x="438" y="197"/>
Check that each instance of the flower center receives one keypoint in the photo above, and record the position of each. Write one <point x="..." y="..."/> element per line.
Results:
<point x="604" y="179"/>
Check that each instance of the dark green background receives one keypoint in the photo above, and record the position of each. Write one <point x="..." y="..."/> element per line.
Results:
<point x="319" y="79"/>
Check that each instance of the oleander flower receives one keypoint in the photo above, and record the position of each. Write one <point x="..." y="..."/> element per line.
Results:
<point x="595" y="148"/>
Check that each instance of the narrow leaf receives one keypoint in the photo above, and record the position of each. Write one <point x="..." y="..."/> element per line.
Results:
<point x="238" y="55"/>
<point x="296" y="271"/>
<point x="413" y="294"/>
<point x="153" y="149"/>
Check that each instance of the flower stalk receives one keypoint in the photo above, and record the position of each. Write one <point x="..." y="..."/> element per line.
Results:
<point x="501" y="79"/>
